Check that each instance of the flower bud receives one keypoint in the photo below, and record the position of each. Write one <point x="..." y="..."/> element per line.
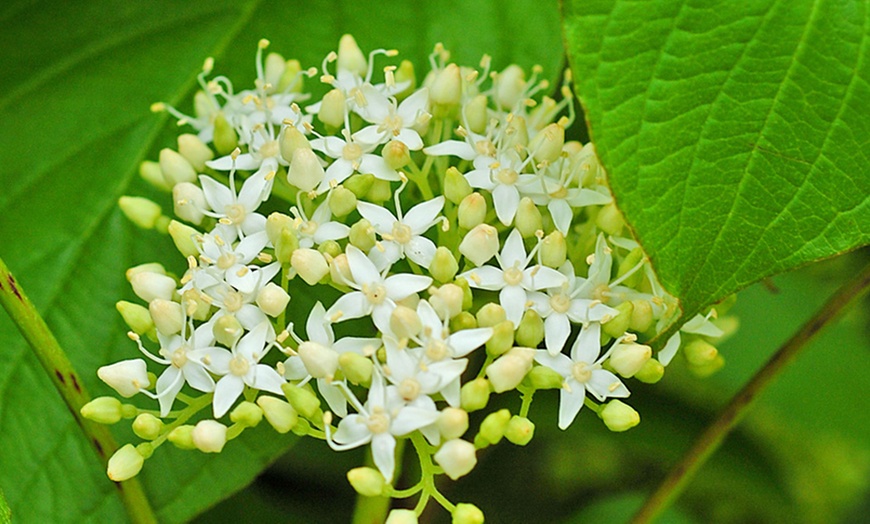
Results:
<point x="350" y="57"/>
<point x="168" y="316"/>
<point x="708" y="368"/>
<point x="279" y="414"/>
<point x="472" y="210"/>
<point x="457" y="188"/>
<point x="457" y="457"/>
<point x="286" y="246"/>
<point x="405" y="73"/>
<point x="519" y="430"/>
<point x="474" y="395"/>
<point x="356" y="368"/>
<point x="546" y="146"/>
<point x="290" y="141"/>
<point x="125" y="464"/>
<point x="227" y="330"/>
<point x="194" y="150"/>
<point x="476" y="114"/>
<point x="137" y="317"/>
<point x="465" y="513"/>
<point x="447" y="300"/>
<point x="141" y="211"/>
<point x="332" y="109"/>
<point x="642" y="316"/>
<point x="303" y="400"/>
<point x="502" y="338"/>
<point x="149" y="286"/>
<point x="464" y="320"/>
<point x="446" y="88"/>
<point x="379" y="191"/>
<point x="209" y="436"/>
<point x="182" y="437"/>
<point x="401" y="516"/>
<point x="490" y="315"/>
<point x="175" y="168"/>
<point x="359" y="184"/>
<point x="628" y="359"/>
<point x="247" y="414"/>
<point x="342" y="201"/>
<point x="396" y="154"/>
<point x="183" y="237"/>
<point x="628" y="264"/>
<point x="102" y="410"/>
<point x="275" y="223"/>
<point x="310" y="265"/>
<point x="494" y="425"/>
<point x="554" y="250"/>
<point x="530" y="332"/>
<point x="516" y="134"/>
<point x="480" y="244"/>
<point x="150" y="172"/>
<point x="291" y="81"/>
<point x="510" y="86"/>
<point x="616" y="326"/>
<point x="362" y="235"/>
<point x="126" y="377"/>
<point x="452" y="423"/>
<point x="368" y="482"/>
<point x="225" y="138"/>
<point x="339" y="270"/>
<point x="273" y="71"/>
<point x="618" y="416"/>
<point x="528" y="219"/>
<point x="404" y="322"/>
<point x="150" y="267"/>
<point x="444" y="265"/>
<point x="147" y="427"/>
<point x="542" y="377"/>
<point x="610" y="220"/>
<point x="508" y="371"/>
<point x="272" y="299"/>
<point x="651" y="372"/>
<point x="305" y="171"/>
<point x="319" y="360"/>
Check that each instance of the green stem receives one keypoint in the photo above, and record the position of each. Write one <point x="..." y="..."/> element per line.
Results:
<point x="373" y="510"/>
<point x="715" y="433"/>
<point x="67" y="382"/>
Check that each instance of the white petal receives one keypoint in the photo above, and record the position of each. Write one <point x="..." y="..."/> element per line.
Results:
<point x="369" y="135"/>
<point x="485" y="277"/>
<point x="252" y="191"/>
<point x="452" y="147"/>
<point x="379" y="216"/>
<point x="420" y="217"/>
<point x="384" y="454"/>
<point x="480" y="178"/>
<point x="352" y="429"/>
<point x="227" y="390"/>
<point x="556" y="330"/>
<point x="465" y="341"/>
<point x="421" y="250"/>
<point x="333" y="397"/>
<point x="410" y="138"/>
<point x="330" y="231"/>
<point x="403" y="285"/>
<point x="667" y="353"/>
<point x="605" y="384"/>
<point x="315" y="326"/>
<point x="168" y="385"/>
<point x="513" y="253"/>
<point x="351" y="305"/>
<point x="560" y="363"/>
<point x="587" y="347"/>
<point x="363" y="270"/>
<point x="570" y="403"/>
<point x="542" y="277"/>
<point x="216" y="194"/>
<point x="267" y="379"/>
<point x="562" y="214"/>
<point x="198" y="377"/>
<point x="513" y="300"/>
<point x="506" y="199"/>
<point x="377" y="166"/>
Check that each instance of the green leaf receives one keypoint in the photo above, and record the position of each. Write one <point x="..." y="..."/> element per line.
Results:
<point x="74" y="101"/>
<point x="735" y="134"/>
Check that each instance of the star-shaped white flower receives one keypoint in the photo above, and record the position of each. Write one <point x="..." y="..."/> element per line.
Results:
<point x="350" y="156"/>
<point x="393" y="122"/>
<point x="582" y="373"/>
<point x="237" y="210"/>
<point x="319" y="228"/>
<point x="223" y="261"/>
<point x="403" y="236"/>
<point x="503" y="178"/>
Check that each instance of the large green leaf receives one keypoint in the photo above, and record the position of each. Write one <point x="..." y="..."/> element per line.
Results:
<point x="735" y="134"/>
<point x="78" y="80"/>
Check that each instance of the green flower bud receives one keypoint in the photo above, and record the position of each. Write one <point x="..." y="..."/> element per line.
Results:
<point x="404" y="73"/>
<point x="342" y="201"/>
<point x="305" y="171"/>
<point x="359" y="185"/>
<point x="542" y="377"/>
<point x="272" y="299"/>
<point x="444" y="265"/>
<point x="494" y="425"/>
<point x="247" y="414"/>
<point x="356" y="368"/>
<point x="127" y="377"/>
<point x="291" y="81"/>
<point x="446" y="88"/>
<point x="516" y="134"/>
<point x="510" y="86"/>
<point x="275" y="224"/>
<point x="225" y="138"/>
<point x="362" y="235"/>
<point x="472" y="210"/>
<point x="708" y="368"/>
<point x="102" y="410"/>
<point x="618" y="416"/>
<point x="530" y="332"/>
<point x="628" y="359"/>
<point x="404" y="322"/>
<point x="150" y="172"/>
<point x="301" y="428"/>
<point x="320" y="361"/>
<point x="528" y="219"/>
<point x="610" y="220"/>
<point x="547" y="144"/>
<point x="447" y="300"/>
<point x="490" y="315"/>
<point x="651" y="372"/>
<point x="125" y="464"/>
<point x="368" y="482"/>
<point x="310" y="265"/>
<point x="474" y="395"/>
<point x="480" y="244"/>
<point x="380" y="191"/>
<point x="183" y="237"/>
<point x="616" y="326"/>
<point x="331" y="248"/>
<point x="456" y="457"/>
<point x="467" y="296"/>
<point x="290" y="141"/>
<point x="502" y="338"/>
<point x="302" y="399"/>
<point x="476" y="114"/>
<point x="350" y="57"/>
<point x="279" y="414"/>
<point x="137" y="317"/>
<point x="452" y="423"/>
<point x="182" y="437"/>
<point x="149" y="285"/>
<point x="194" y="150"/>
<point x="147" y="427"/>
<point x="227" y="330"/>
<point x="508" y="371"/>
<point x="287" y="244"/>
<point x="167" y="315"/>
<point x="396" y="154"/>
<point x="464" y="320"/>
<point x="554" y="250"/>
<point x="465" y="513"/>
<point x="629" y="263"/>
<point x="141" y="211"/>
<point x="456" y="187"/>
<point x="401" y="516"/>
<point x="642" y="316"/>
<point x="520" y="430"/>
<point x="209" y="436"/>
<point x="273" y="70"/>
<point x="196" y="304"/>
<point x="175" y="168"/>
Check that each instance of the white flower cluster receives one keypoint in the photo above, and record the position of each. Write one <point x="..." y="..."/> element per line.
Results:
<point x="447" y="224"/>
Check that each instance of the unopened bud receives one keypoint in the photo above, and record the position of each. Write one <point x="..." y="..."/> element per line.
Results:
<point x="362" y="235"/>
<point x="279" y="414"/>
<point x="183" y="237"/>
<point x="319" y="360"/>
<point x="510" y="85"/>
<point x="616" y="326"/>
<point x="452" y="423"/>
<point x="457" y="457"/>
<point x="356" y="368"/>
<point x="359" y="184"/>
<point x="150" y="172"/>
<point x="444" y="265"/>
<point x="368" y="482"/>
<point x="291" y="81"/>
<point x="227" y="330"/>
<point x="554" y="250"/>
<point x="305" y="171"/>
<point x="168" y="316"/>
<point x="651" y="372"/>
<point x="225" y="138"/>
<point x="339" y="270"/>
<point x="175" y="168"/>
<point x="446" y="88"/>
<point x="292" y="140"/>
<point x="287" y="244"/>
<point x="396" y="154"/>
<point x="273" y="70"/>
<point x="147" y="427"/>
<point x="209" y="436"/>
<point x="272" y="299"/>
<point x="135" y="316"/>
<point x="447" y="300"/>
<point x="464" y="320"/>
<point x="401" y="516"/>
<point x="302" y="399"/>
<point x="476" y="114"/>
<point x="490" y="315"/>
<point x="508" y="371"/>
<point x="350" y="57"/>
<point x="546" y="146"/>
<point x="332" y="109"/>
<point x="629" y="263"/>
<point x="642" y="316"/>
<point x="628" y="359"/>
<point x="103" y="410"/>
<point x="405" y="73"/>
<point x="502" y="338"/>
<point x="141" y="211"/>
<point x="126" y="377"/>
<point x="182" y="437"/>
<point x="456" y="187"/>
<point x="342" y="201"/>
<point x="149" y="286"/>
<point x="543" y="377"/>
<point x="619" y="416"/>
<point x="472" y="210"/>
<point x="528" y="219"/>
<point x="480" y="244"/>
<point x="516" y="134"/>
<point x="404" y="322"/>
<point x="465" y="513"/>
<point x="194" y="150"/>
<point x="275" y="223"/>
<point x="494" y="425"/>
<point x="247" y="413"/>
<point x="310" y="265"/>
<point x="610" y="220"/>
<point x="125" y="464"/>
<point x="519" y="430"/>
<point x="530" y="332"/>
<point x="474" y="395"/>
<point x="379" y="191"/>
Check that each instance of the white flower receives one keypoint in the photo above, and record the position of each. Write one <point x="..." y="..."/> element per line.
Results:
<point x="403" y="236"/>
<point x="223" y="261"/>
<point x="409" y="370"/>
<point x="181" y="368"/>
<point x="350" y="156"/>
<point x="582" y="372"/>
<point x="699" y="325"/>
<point x="375" y="295"/>
<point x="235" y="210"/>
<point x="514" y="279"/>
<point x="319" y="228"/>
<point x="392" y="122"/>
<point x="503" y="179"/>
<point x="561" y="197"/>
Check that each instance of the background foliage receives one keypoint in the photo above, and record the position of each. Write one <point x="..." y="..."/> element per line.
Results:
<point x="79" y="79"/>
